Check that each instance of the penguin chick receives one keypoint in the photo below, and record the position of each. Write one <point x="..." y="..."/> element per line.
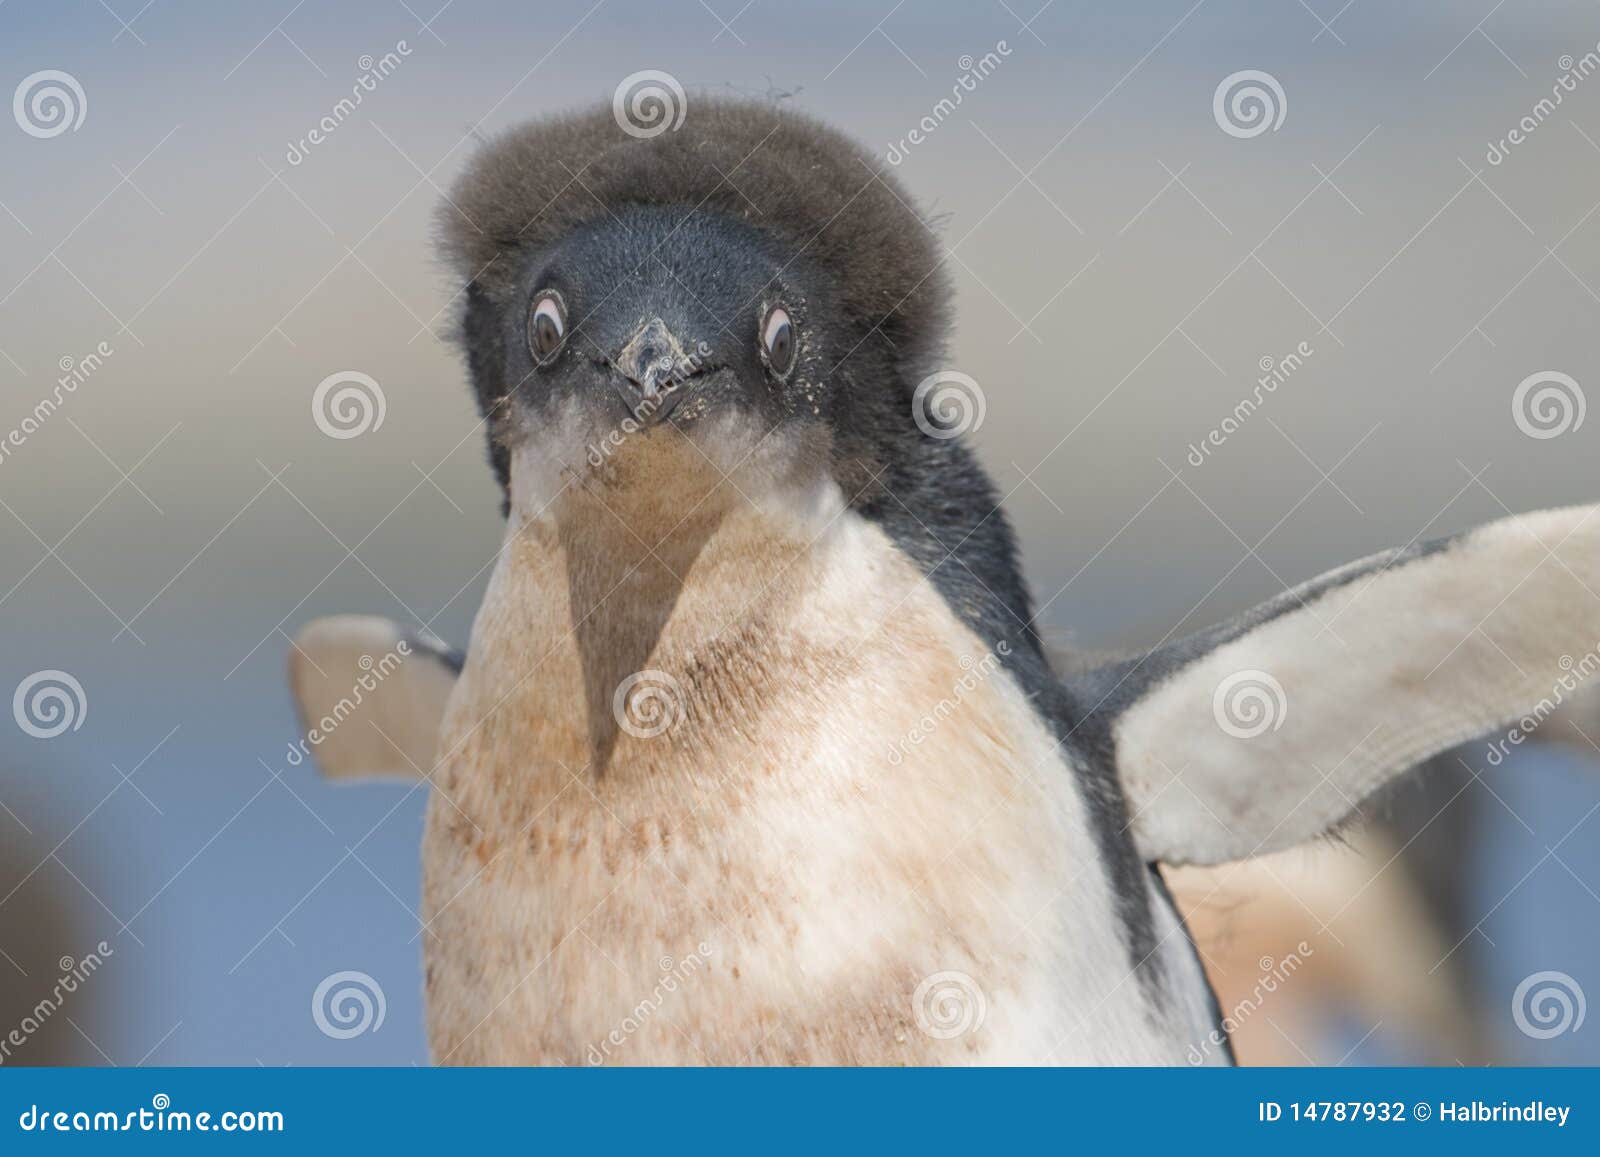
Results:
<point x="739" y="583"/>
<point x="754" y="756"/>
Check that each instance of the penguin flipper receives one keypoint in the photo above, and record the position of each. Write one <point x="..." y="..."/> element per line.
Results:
<point x="370" y="695"/>
<point x="1268" y="730"/>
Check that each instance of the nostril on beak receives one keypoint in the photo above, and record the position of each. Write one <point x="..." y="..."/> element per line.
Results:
<point x="653" y="360"/>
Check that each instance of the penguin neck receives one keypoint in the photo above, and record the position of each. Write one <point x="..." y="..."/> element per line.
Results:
<point x="614" y="608"/>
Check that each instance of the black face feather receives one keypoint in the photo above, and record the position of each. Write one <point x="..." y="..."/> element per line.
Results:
<point x="657" y="312"/>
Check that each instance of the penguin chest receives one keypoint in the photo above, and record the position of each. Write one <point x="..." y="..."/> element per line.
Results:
<point x="771" y="803"/>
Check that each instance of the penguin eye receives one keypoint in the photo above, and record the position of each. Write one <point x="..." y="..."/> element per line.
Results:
<point x="777" y="338"/>
<point x="547" y="325"/>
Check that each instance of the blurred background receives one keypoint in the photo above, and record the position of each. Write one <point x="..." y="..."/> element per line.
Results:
<point x="1131" y="253"/>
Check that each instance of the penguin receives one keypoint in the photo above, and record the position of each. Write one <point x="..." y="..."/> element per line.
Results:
<point x="755" y="755"/>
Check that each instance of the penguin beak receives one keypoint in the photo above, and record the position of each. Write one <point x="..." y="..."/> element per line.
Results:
<point x="654" y="369"/>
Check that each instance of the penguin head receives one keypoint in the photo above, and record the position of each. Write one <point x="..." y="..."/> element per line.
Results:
<point x="657" y="318"/>
<point x="749" y="288"/>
